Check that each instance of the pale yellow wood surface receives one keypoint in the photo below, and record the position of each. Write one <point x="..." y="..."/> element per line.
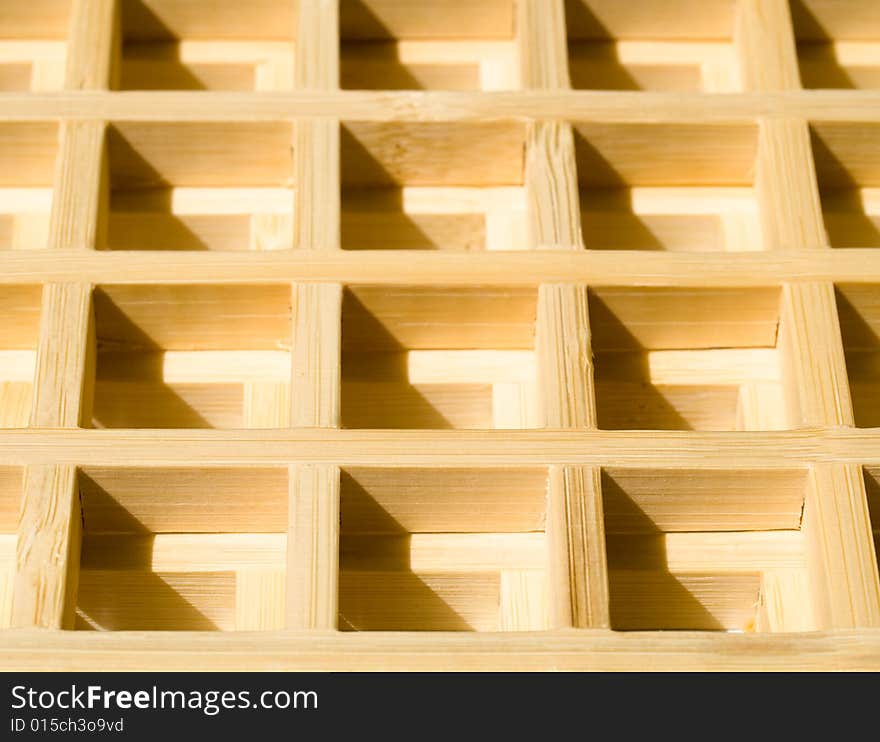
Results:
<point x="313" y="547"/>
<point x="576" y="539"/>
<point x="527" y="346"/>
<point x="47" y="554"/>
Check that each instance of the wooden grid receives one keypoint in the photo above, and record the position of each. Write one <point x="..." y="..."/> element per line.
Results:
<point x="631" y="385"/>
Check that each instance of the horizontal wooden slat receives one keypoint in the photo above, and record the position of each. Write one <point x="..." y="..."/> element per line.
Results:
<point x="222" y="317"/>
<point x="650" y="500"/>
<point x="626" y="318"/>
<point x="493" y="448"/>
<point x="580" y="105"/>
<point x="210" y="500"/>
<point x="382" y="19"/>
<point x="650" y="601"/>
<point x="145" y="601"/>
<point x="403" y="268"/>
<point x="403" y="601"/>
<point x="432" y="154"/>
<point x="404" y="500"/>
<point x="437" y="318"/>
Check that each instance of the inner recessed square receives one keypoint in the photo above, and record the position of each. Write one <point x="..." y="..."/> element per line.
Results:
<point x="858" y="309"/>
<point x="11" y="478"/>
<point x="200" y="186"/>
<point x="426" y="549"/>
<point x="668" y="187"/>
<point x="183" y="549"/>
<point x="433" y="186"/>
<point x="848" y="171"/>
<point x="27" y="170"/>
<point x="687" y="359"/>
<point x="642" y="45"/>
<point x="706" y="550"/>
<point x="33" y="41"/>
<point x="19" y="336"/>
<point x="192" y="356"/>
<point x="207" y="45"/>
<point x="428" y="45"/>
<point x="837" y="43"/>
<point x="438" y="357"/>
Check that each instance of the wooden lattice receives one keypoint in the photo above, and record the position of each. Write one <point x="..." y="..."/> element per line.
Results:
<point x="439" y="334"/>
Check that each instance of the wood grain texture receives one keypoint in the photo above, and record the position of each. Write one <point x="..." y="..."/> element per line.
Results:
<point x="542" y="44"/>
<point x="93" y="56"/>
<point x="840" y="548"/>
<point x="80" y="199"/>
<point x="65" y="363"/>
<point x="576" y="540"/>
<point x="315" y="380"/>
<point x="564" y="356"/>
<point x="355" y="372"/>
<point x="47" y="554"/>
<point x="313" y="547"/>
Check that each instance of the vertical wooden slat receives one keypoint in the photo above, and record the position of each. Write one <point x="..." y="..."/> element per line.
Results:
<point x="785" y="174"/>
<point x="49" y="531"/>
<point x="577" y="585"/>
<point x="578" y="569"/>
<point x="316" y="141"/>
<point x="840" y="548"/>
<point x="315" y="380"/>
<point x="766" y="45"/>
<point x="313" y="535"/>
<point x="63" y="382"/>
<point x="94" y="45"/>
<point x="47" y="550"/>
<point x="813" y="364"/>
<point x="313" y="547"/>
<point x="80" y="198"/>
<point x="552" y="186"/>
<point x="543" y="49"/>
<point x="842" y="564"/>
<point x="564" y="357"/>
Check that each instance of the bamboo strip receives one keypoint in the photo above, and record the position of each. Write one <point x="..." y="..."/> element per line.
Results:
<point x="313" y="547"/>
<point x="595" y="650"/>
<point x="840" y="548"/>
<point x="576" y="541"/>
<point x="546" y="105"/>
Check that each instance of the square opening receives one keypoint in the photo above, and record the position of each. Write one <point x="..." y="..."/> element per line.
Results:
<point x="645" y="45"/>
<point x="182" y="549"/>
<point x="180" y="356"/>
<point x="200" y="186"/>
<point x="10" y="505"/>
<point x="837" y="43"/>
<point x="438" y="357"/>
<point x="858" y="310"/>
<point x="207" y="45"/>
<point x="848" y="171"/>
<point x="27" y="170"/>
<point x="19" y="337"/>
<point x="706" y="550"/>
<point x="668" y="186"/>
<point x="433" y="186"/>
<point x="443" y="550"/>
<point x="687" y="359"/>
<point x="33" y="46"/>
<point x="428" y="45"/>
